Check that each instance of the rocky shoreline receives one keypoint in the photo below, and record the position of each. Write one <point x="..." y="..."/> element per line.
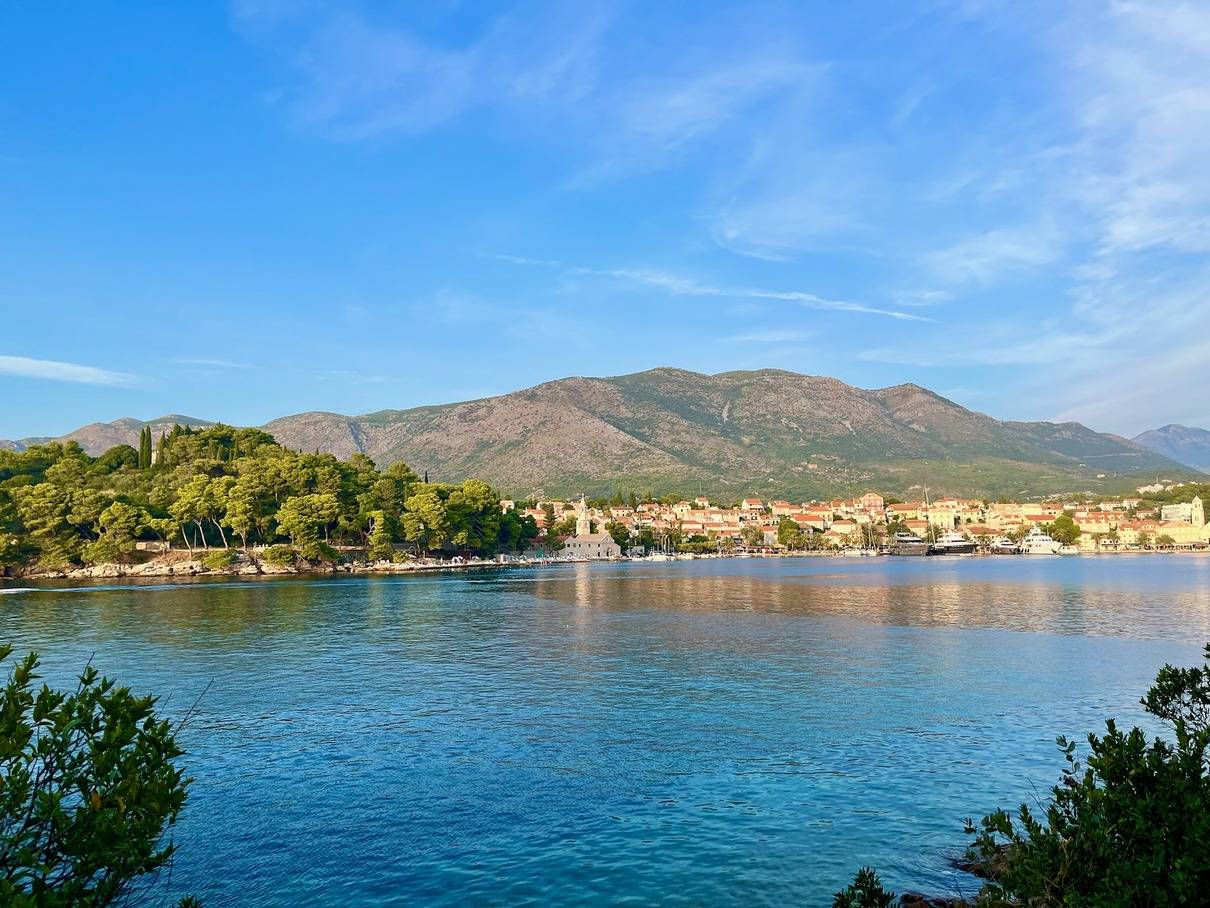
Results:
<point x="181" y="565"/>
<point x="249" y="566"/>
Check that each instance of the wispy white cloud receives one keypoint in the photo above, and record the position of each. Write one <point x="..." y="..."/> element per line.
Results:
<point x="674" y="110"/>
<point x="53" y="370"/>
<point x="1142" y="98"/>
<point x="922" y="297"/>
<point x="679" y="285"/>
<point x="354" y="77"/>
<point x="987" y="257"/>
<point x="791" y="196"/>
<point x="1039" y="348"/>
<point x="646" y="121"/>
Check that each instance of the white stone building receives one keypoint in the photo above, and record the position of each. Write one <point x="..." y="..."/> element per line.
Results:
<point x="586" y="543"/>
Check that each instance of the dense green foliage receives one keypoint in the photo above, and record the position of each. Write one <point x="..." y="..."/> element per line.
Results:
<point x="1127" y="825"/>
<point x="1064" y="530"/>
<point x="864" y="892"/>
<point x="1180" y="494"/>
<point x="222" y="487"/>
<point x="88" y="790"/>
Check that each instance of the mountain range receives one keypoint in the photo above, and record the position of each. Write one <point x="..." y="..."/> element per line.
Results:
<point x="767" y="432"/>
<point x="1184" y="444"/>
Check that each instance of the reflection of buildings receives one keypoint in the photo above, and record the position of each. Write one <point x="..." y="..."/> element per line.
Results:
<point x="972" y="593"/>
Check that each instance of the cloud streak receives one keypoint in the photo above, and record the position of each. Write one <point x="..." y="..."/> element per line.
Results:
<point x="53" y="370"/>
<point x="353" y="77"/>
<point x="677" y="285"/>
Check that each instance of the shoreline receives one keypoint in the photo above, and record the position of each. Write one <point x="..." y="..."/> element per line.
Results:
<point x="190" y="568"/>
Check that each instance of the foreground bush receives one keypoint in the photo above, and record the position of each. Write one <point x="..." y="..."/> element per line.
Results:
<point x="864" y="892"/>
<point x="88" y="790"/>
<point x="219" y="559"/>
<point x="280" y="555"/>
<point x="1129" y="825"/>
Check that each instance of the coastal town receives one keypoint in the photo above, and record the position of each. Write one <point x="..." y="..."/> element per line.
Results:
<point x="869" y="524"/>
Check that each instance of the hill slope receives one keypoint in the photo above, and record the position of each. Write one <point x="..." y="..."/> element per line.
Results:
<point x="1184" y="444"/>
<point x="769" y="432"/>
<point x="98" y="437"/>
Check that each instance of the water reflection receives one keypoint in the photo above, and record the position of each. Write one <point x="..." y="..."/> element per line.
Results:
<point x="1140" y="603"/>
<point x="709" y="732"/>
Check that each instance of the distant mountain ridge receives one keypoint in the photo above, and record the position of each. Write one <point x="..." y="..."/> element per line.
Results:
<point x="98" y="437"/>
<point x="767" y="432"/>
<point x="1184" y="444"/>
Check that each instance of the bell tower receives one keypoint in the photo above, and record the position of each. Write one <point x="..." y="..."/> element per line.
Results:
<point x="583" y="522"/>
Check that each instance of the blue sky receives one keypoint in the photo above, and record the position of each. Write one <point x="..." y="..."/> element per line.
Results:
<point x="243" y="211"/>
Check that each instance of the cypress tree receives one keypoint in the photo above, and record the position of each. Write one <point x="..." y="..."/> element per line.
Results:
<point x="145" y="447"/>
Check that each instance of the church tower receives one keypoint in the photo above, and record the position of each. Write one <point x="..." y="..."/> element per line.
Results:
<point x="1197" y="514"/>
<point x="583" y="523"/>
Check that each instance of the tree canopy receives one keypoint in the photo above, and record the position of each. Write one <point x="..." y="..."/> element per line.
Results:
<point x="225" y="487"/>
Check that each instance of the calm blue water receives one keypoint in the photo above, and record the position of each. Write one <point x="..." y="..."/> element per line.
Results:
<point x="741" y="732"/>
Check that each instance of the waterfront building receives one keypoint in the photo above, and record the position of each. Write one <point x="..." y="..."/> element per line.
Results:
<point x="587" y="544"/>
<point x="1190" y="512"/>
<point x="904" y="510"/>
<point x="811" y="521"/>
<point x="873" y="503"/>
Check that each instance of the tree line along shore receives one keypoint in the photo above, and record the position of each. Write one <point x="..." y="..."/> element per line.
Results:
<point x="224" y="497"/>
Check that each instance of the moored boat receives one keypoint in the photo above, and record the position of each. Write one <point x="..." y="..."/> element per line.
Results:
<point x="908" y="544"/>
<point x="1038" y="543"/>
<point x="953" y="543"/>
<point x="1002" y="545"/>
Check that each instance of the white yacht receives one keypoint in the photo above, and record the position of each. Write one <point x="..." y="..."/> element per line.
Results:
<point x="1038" y="543"/>
<point x="1002" y="545"/>
<point x="908" y="544"/>
<point x="953" y="543"/>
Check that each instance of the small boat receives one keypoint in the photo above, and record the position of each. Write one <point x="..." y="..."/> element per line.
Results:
<point x="1038" y="543"/>
<point x="953" y="543"/>
<point x="908" y="544"/>
<point x="858" y="553"/>
<point x="1069" y="550"/>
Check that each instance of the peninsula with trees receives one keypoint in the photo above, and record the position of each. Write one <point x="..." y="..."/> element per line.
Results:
<point x="221" y="491"/>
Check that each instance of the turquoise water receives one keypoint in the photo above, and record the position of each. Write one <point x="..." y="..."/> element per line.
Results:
<point x="742" y="732"/>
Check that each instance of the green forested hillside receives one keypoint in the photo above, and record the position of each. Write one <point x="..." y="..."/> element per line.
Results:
<point x="224" y="488"/>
